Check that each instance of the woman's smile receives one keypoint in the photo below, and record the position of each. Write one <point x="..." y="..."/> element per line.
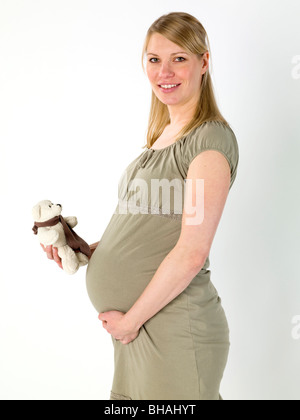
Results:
<point x="169" y="88"/>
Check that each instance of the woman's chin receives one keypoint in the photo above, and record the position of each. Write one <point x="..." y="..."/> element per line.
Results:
<point x="169" y="101"/>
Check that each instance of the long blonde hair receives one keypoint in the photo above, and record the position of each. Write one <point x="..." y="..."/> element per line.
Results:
<point x="186" y="31"/>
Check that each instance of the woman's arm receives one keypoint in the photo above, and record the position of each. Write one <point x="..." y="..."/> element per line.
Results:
<point x="187" y="258"/>
<point x="172" y="277"/>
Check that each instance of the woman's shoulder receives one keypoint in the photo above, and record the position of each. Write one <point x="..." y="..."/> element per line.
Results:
<point x="212" y="135"/>
<point x="214" y="129"/>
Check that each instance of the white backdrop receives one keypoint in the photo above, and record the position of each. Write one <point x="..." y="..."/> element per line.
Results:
<point x="74" y="105"/>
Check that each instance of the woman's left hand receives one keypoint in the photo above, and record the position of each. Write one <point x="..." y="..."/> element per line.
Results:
<point x="115" y="324"/>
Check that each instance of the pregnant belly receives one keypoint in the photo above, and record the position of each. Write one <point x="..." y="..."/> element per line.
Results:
<point x="115" y="284"/>
<point x="130" y="252"/>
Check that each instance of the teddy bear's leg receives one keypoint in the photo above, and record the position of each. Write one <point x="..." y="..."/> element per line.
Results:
<point x="68" y="258"/>
<point x="82" y="259"/>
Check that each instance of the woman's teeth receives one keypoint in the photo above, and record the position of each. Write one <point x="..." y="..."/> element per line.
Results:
<point x="168" y="86"/>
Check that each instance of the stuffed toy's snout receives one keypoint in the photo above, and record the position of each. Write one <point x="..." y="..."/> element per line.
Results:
<point x="53" y="229"/>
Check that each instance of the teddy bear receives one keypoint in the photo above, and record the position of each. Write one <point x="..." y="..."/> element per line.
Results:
<point x="53" y="229"/>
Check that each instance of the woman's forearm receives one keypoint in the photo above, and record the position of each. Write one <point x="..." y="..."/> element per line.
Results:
<point x="94" y="245"/>
<point x="172" y="277"/>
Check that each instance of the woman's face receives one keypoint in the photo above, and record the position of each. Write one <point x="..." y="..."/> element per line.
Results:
<point x="168" y="65"/>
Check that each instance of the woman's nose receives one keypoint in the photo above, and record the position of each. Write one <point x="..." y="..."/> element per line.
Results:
<point x="166" y="70"/>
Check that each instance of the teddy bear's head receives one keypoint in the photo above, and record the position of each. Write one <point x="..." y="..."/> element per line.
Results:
<point x="45" y="210"/>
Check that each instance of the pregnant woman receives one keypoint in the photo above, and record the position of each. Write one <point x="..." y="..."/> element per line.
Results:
<point x="148" y="276"/>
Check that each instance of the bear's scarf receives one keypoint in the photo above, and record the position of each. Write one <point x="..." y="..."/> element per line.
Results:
<point x="73" y="240"/>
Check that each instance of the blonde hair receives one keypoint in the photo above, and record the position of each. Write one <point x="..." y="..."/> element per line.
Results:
<point x="186" y="31"/>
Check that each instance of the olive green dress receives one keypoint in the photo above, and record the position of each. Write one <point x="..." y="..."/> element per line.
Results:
<point x="182" y="351"/>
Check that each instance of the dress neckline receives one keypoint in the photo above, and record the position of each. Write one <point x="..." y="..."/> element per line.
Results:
<point x="184" y="137"/>
<point x="167" y="147"/>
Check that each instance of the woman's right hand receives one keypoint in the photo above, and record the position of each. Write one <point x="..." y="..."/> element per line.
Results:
<point x="52" y="253"/>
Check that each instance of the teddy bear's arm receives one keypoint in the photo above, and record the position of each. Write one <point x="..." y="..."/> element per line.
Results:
<point x="71" y="221"/>
<point x="48" y="237"/>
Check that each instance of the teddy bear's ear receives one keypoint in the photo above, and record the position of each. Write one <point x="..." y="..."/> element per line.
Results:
<point x="36" y="212"/>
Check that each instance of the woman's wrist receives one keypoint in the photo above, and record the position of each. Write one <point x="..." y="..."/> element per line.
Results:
<point x="93" y="247"/>
<point x="131" y="323"/>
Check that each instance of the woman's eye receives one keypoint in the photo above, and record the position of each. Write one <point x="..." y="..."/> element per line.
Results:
<point x="177" y="58"/>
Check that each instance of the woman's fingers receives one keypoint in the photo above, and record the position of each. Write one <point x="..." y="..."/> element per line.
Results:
<point x="56" y="257"/>
<point x="48" y="250"/>
<point x="52" y="254"/>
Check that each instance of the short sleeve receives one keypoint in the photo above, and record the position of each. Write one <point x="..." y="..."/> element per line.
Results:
<point x="212" y="135"/>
